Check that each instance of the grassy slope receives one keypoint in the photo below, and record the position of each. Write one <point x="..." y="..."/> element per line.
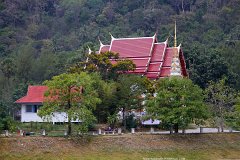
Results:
<point x="206" y="146"/>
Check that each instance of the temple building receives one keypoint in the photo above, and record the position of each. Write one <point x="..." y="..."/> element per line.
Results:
<point x="152" y="58"/>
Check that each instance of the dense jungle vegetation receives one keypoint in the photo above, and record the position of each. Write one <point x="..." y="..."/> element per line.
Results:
<point x="43" y="38"/>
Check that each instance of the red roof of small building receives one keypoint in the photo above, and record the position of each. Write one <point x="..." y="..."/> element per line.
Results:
<point x="35" y="94"/>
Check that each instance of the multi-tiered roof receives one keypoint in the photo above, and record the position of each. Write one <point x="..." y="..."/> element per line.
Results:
<point x="152" y="58"/>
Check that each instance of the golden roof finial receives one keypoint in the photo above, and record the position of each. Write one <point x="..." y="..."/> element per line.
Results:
<point x="175" y="36"/>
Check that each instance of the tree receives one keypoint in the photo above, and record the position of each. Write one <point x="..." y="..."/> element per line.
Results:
<point x="72" y="25"/>
<point x="129" y="93"/>
<point x="221" y="99"/>
<point x="102" y="63"/>
<point x="107" y="93"/>
<point x="44" y="67"/>
<point x="73" y="94"/>
<point x="24" y="62"/>
<point x="6" y="122"/>
<point x="7" y="68"/>
<point x="205" y="66"/>
<point x="230" y="53"/>
<point x="178" y="102"/>
<point x="233" y="117"/>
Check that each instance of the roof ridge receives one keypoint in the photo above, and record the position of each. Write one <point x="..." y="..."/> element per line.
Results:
<point x="132" y="38"/>
<point x="151" y="51"/>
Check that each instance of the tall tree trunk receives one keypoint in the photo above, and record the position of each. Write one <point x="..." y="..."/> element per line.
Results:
<point x="221" y="119"/>
<point x="69" y="117"/>
<point x="222" y="124"/>
<point x="182" y="7"/>
<point x="124" y="119"/>
<point x="69" y="126"/>
<point x="176" y="128"/>
<point x="171" y="129"/>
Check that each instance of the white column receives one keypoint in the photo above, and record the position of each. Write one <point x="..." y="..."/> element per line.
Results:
<point x="21" y="132"/>
<point x="6" y="133"/>
<point x="43" y="132"/>
<point x="152" y="130"/>
<point x="132" y="130"/>
<point x="119" y="130"/>
<point x="99" y="131"/>
<point x="65" y="133"/>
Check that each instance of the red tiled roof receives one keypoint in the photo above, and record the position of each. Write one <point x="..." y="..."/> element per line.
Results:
<point x="156" y="60"/>
<point x="140" y="62"/>
<point x="183" y="64"/>
<point x="139" y="70"/>
<point x="168" y="57"/>
<point x="154" y="67"/>
<point x="35" y="94"/>
<point x="158" y="52"/>
<point x="132" y="47"/>
<point x="152" y="59"/>
<point x="152" y="75"/>
<point x="166" y="67"/>
<point x="104" y="48"/>
<point x="165" y="72"/>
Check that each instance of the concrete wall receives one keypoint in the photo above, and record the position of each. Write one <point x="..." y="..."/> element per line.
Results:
<point x="33" y="117"/>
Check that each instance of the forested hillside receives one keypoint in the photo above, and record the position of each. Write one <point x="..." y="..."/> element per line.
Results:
<point x="42" y="38"/>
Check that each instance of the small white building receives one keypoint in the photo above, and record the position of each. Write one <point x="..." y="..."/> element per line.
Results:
<point x="32" y="102"/>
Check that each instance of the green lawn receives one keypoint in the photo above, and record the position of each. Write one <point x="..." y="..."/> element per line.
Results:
<point x="131" y="155"/>
<point x="206" y="146"/>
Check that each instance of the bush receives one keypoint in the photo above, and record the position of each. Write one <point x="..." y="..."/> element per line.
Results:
<point x="7" y="123"/>
<point x="131" y="122"/>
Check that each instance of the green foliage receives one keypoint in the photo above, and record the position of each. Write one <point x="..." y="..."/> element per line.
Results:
<point x="107" y="94"/>
<point x="24" y="62"/>
<point x="221" y="99"/>
<point x="101" y="63"/>
<point x="112" y="119"/>
<point x="209" y="66"/>
<point x="230" y="53"/>
<point x="129" y="90"/>
<point x="41" y="39"/>
<point x="131" y="122"/>
<point x="178" y="102"/>
<point x="233" y="118"/>
<point x="129" y="93"/>
<point x="6" y="122"/>
<point x="8" y="67"/>
<point x="71" y="93"/>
